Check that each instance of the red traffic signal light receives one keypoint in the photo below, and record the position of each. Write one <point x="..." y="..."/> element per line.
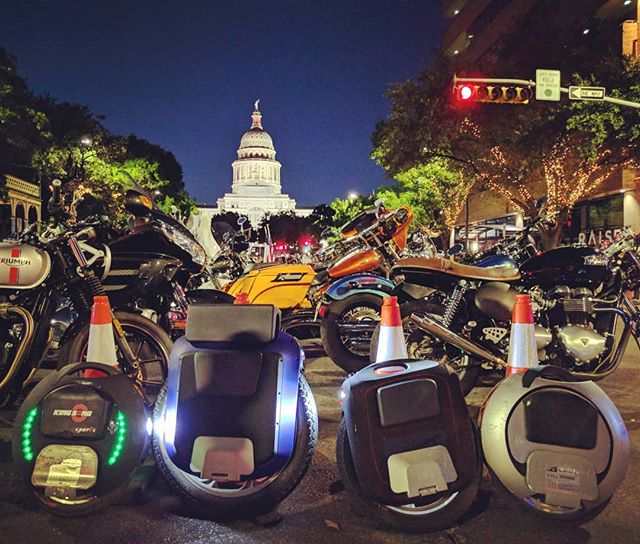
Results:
<point x="492" y="93"/>
<point x="465" y="92"/>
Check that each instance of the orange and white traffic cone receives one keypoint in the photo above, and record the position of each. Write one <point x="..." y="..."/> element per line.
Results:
<point x="102" y="346"/>
<point x="523" y="353"/>
<point x="391" y="343"/>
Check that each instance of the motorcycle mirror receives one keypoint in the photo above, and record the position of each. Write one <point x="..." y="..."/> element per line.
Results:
<point x="242" y="220"/>
<point x="137" y="203"/>
<point x="326" y="232"/>
<point x="455" y="249"/>
<point x="379" y="204"/>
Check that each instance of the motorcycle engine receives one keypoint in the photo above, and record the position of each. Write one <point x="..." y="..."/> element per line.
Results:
<point x="571" y="311"/>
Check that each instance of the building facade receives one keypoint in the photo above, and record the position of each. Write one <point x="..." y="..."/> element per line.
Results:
<point x="21" y="207"/>
<point x="256" y="188"/>
<point x="488" y="33"/>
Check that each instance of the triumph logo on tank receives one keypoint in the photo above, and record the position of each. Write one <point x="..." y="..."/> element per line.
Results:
<point x="15" y="261"/>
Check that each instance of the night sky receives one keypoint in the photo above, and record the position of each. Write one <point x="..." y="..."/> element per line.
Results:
<point x="185" y="75"/>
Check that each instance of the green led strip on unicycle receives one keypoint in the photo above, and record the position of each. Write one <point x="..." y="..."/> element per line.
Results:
<point x="121" y="433"/>
<point x="27" y="427"/>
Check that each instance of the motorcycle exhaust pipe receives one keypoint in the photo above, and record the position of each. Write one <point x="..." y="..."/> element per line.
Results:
<point x="436" y="329"/>
<point x="27" y="337"/>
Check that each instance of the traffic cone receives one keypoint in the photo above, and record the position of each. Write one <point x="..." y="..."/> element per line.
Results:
<point x="391" y="343"/>
<point x="242" y="298"/>
<point x="523" y="353"/>
<point x="102" y="347"/>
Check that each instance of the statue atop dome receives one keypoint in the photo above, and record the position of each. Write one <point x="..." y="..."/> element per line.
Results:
<point x="256" y="116"/>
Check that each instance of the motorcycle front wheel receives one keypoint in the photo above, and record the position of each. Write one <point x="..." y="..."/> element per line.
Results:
<point x="439" y="514"/>
<point x="228" y="500"/>
<point x="150" y="344"/>
<point x="347" y="328"/>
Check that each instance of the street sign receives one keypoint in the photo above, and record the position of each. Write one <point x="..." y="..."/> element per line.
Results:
<point x="548" y="85"/>
<point x="587" y="93"/>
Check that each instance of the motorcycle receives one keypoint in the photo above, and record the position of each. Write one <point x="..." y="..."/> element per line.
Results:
<point x="36" y="270"/>
<point x="146" y="273"/>
<point x="153" y="271"/>
<point x="578" y="294"/>
<point x="350" y="306"/>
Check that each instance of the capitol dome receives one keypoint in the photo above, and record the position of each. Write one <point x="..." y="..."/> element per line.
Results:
<point x="256" y="142"/>
<point x="256" y="189"/>
<point x="256" y="137"/>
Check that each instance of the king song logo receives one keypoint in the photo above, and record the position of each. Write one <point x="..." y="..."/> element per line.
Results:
<point x="79" y="413"/>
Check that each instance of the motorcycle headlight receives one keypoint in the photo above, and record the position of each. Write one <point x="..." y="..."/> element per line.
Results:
<point x="189" y="245"/>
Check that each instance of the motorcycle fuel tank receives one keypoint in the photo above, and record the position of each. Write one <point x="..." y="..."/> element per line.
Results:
<point x="564" y="266"/>
<point x="285" y="286"/>
<point x="22" y="266"/>
<point x="358" y="260"/>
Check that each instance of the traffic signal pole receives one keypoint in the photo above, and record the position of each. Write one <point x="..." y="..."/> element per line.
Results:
<point x="531" y="83"/>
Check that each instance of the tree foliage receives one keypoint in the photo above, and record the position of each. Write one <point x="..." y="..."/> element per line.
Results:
<point x="511" y="150"/>
<point x="43" y="138"/>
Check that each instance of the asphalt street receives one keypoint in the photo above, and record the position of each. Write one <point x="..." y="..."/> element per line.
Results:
<point x="318" y="511"/>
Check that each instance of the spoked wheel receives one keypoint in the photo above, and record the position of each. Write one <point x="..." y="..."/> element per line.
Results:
<point x="443" y="512"/>
<point x="421" y="345"/>
<point x="224" y="500"/>
<point x="347" y="329"/>
<point x="150" y="345"/>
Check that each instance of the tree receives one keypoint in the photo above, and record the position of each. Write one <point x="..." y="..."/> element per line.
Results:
<point x="45" y="138"/>
<point x="321" y="217"/>
<point x="510" y="152"/>
<point x="346" y="209"/>
<point x="23" y="127"/>
<point x="168" y="166"/>
<point x="434" y="191"/>
<point x="610" y="126"/>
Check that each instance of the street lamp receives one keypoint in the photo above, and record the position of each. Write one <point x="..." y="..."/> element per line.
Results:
<point x="85" y="140"/>
<point x="352" y="195"/>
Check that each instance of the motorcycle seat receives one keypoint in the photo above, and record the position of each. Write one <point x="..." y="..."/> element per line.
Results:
<point x="452" y="268"/>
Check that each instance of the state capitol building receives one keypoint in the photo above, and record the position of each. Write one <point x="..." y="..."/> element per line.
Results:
<point x="256" y="189"/>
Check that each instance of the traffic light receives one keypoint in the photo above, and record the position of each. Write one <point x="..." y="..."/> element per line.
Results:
<point x="492" y="92"/>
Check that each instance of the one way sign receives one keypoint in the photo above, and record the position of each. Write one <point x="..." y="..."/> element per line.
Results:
<point x="587" y="93"/>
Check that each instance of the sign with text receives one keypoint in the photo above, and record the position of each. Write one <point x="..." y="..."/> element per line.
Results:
<point x="548" y="85"/>
<point x="587" y="93"/>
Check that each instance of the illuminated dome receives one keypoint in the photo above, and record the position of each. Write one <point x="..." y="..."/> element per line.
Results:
<point x="256" y="137"/>
<point x="256" y="142"/>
